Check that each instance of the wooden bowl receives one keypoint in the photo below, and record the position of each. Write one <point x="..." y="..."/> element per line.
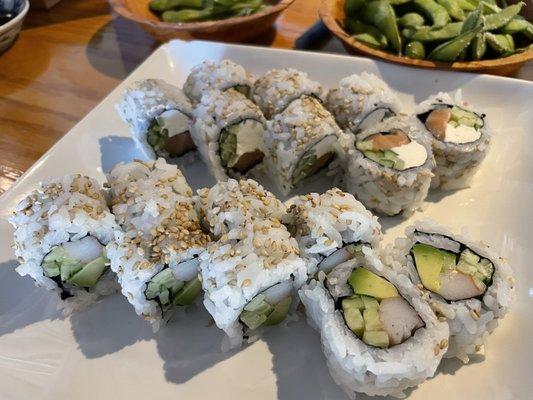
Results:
<point x="236" y="29"/>
<point x="332" y="14"/>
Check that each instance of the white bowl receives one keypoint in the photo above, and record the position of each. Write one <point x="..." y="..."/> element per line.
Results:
<point x="10" y="30"/>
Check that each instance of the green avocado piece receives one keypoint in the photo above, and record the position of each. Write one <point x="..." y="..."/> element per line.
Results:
<point x="372" y="320"/>
<point x="370" y="302"/>
<point x="430" y="262"/>
<point x="280" y="311"/>
<point x="252" y="319"/>
<point x="353" y="318"/>
<point x="354" y="301"/>
<point x="365" y="282"/>
<point x="376" y="338"/>
<point x="189" y="293"/>
<point x="89" y="275"/>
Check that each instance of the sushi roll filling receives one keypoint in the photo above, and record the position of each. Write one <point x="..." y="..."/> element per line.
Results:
<point x="269" y="307"/>
<point x="373" y="309"/>
<point x="316" y="157"/>
<point x="178" y="286"/>
<point x="453" y="124"/>
<point x="377" y="115"/>
<point x="345" y="253"/>
<point x="449" y="268"/>
<point x="241" y="145"/>
<point x="170" y="132"/>
<point x="393" y="149"/>
<point x="243" y="89"/>
<point x="78" y="263"/>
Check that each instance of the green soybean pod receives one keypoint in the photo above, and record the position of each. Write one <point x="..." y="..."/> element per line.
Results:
<point x="479" y="46"/>
<point x="408" y="32"/>
<point x="501" y="44"/>
<point x="356" y="27"/>
<point x="435" y="11"/>
<point x="411" y="20"/>
<point x="528" y="32"/>
<point x="368" y="40"/>
<point x="450" y="50"/>
<point x="453" y="9"/>
<point x="185" y="15"/>
<point x="415" y="50"/>
<point x="381" y="14"/>
<point x="466" y="5"/>
<point x="472" y="20"/>
<point x="427" y="34"/>
<point x="502" y="18"/>
<point x="351" y="7"/>
<point x="517" y="24"/>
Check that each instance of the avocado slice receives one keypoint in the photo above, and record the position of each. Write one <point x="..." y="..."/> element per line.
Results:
<point x="190" y="291"/>
<point x="370" y="302"/>
<point x="353" y="318"/>
<point x="354" y="301"/>
<point x="430" y="262"/>
<point x="372" y="320"/>
<point x="89" y="275"/>
<point x="376" y="338"/>
<point x="365" y="282"/>
<point x="280" y="312"/>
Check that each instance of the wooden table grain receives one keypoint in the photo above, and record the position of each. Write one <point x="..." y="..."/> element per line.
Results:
<point x="67" y="59"/>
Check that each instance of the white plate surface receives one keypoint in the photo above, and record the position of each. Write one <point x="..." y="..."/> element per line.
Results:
<point x="108" y="352"/>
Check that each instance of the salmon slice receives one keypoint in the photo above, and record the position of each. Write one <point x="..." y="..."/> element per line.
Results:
<point x="320" y="163"/>
<point x="178" y="145"/>
<point x="399" y="319"/>
<point x="382" y="141"/>
<point x="248" y="160"/>
<point x="436" y="122"/>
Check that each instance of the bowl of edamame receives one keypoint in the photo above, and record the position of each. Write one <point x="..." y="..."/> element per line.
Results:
<point x="487" y="36"/>
<point x="223" y="20"/>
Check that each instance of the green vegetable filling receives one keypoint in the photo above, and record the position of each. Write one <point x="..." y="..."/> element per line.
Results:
<point x="59" y="263"/>
<point x="260" y="312"/>
<point x="169" y="291"/>
<point x="387" y="158"/>
<point x="228" y="145"/>
<point x="157" y="136"/>
<point x="304" y="166"/>
<point x="466" y="118"/>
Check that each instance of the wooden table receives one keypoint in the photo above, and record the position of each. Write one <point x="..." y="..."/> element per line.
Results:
<point x="67" y="59"/>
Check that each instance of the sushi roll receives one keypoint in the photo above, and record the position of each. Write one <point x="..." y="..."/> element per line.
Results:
<point x="460" y="138"/>
<point x="228" y="131"/>
<point x="361" y="101"/>
<point x="230" y="204"/>
<point x="330" y="228"/>
<point x="389" y="166"/>
<point x="61" y="230"/>
<point x="156" y="254"/>
<point x="301" y="141"/>
<point x="250" y="278"/>
<point x="378" y="336"/>
<point x="159" y="116"/>
<point x="274" y="91"/>
<point x="464" y="282"/>
<point x="221" y="76"/>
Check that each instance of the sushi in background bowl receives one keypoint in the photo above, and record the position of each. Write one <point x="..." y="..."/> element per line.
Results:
<point x="234" y="29"/>
<point x="10" y="30"/>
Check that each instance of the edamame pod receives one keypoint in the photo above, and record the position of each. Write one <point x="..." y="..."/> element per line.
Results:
<point x="479" y="46"/>
<point x="356" y="27"/>
<point x="351" y="7"/>
<point x="426" y="34"/>
<point x="381" y="14"/>
<point x="186" y="15"/>
<point x="473" y="20"/>
<point x="450" y="50"/>
<point x="415" y="50"/>
<point x="368" y="40"/>
<point x="435" y="11"/>
<point x="408" y="32"/>
<point x="453" y="9"/>
<point x="517" y="24"/>
<point x="165" y="5"/>
<point x="501" y="44"/>
<point x="466" y="5"/>
<point x="502" y="18"/>
<point x="411" y="20"/>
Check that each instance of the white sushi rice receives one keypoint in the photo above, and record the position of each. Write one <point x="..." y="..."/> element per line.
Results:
<point x="211" y="75"/>
<point x="386" y="190"/>
<point x="233" y="203"/>
<point x="358" y="367"/>
<point x="143" y="102"/>
<point x="217" y="111"/>
<point x="62" y="209"/>
<point x="324" y="223"/>
<point x="246" y="261"/>
<point x="275" y="90"/>
<point x="456" y="163"/>
<point x="470" y="320"/>
<point x="357" y="96"/>
<point x="160" y="227"/>
<point x="303" y="124"/>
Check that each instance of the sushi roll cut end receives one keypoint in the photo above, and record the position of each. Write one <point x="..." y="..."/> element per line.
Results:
<point x="241" y="145"/>
<point x="170" y="132"/>
<point x="453" y="124"/>
<point x="314" y="159"/>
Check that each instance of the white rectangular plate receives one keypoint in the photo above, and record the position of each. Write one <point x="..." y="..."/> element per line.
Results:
<point x="108" y="352"/>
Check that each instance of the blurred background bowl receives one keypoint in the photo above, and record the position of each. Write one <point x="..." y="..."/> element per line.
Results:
<point x="332" y="14"/>
<point x="10" y="30"/>
<point x="235" y="29"/>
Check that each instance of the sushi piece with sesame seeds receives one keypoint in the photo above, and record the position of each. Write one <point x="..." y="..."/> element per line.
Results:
<point x="156" y="254"/>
